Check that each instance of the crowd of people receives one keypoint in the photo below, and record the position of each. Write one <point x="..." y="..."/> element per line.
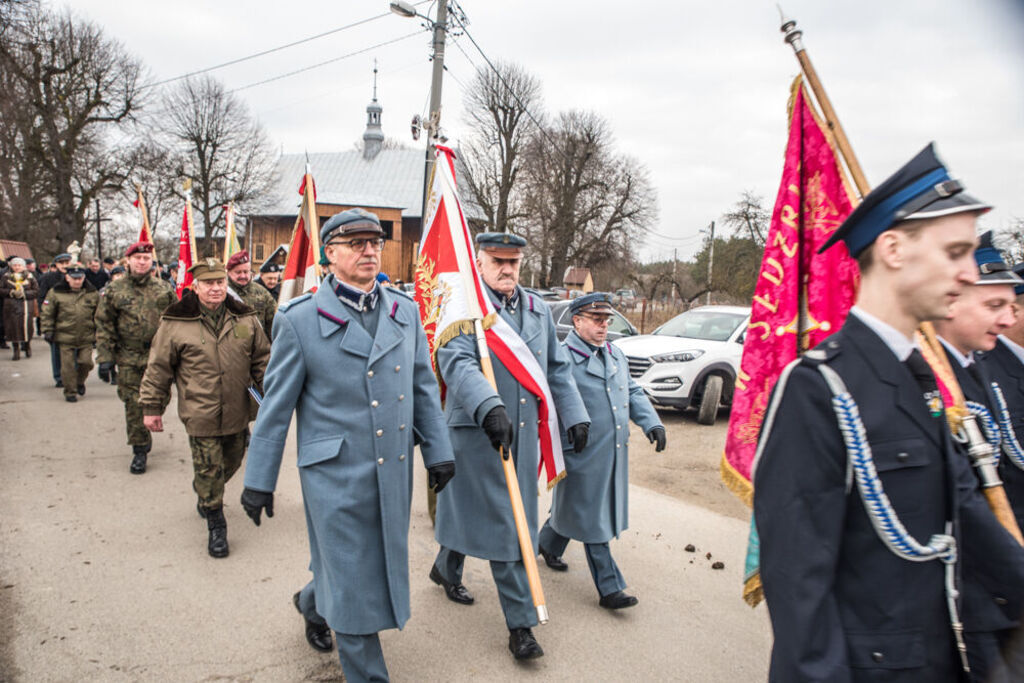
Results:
<point x="879" y="556"/>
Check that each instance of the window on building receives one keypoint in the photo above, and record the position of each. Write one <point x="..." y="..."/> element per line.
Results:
<point x="389" y="229"/>
<point x="257" y="252"/>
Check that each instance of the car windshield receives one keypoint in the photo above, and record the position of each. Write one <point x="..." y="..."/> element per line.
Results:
<point x="698" y="324"/>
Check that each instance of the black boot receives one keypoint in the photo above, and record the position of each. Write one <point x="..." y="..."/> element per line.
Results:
<point x="138" y="465"/>
<point x="218" y="526"/>
<point x="28" y="349"/>
<point x="17" y="351"/>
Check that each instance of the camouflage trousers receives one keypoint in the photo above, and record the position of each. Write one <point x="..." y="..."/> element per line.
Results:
<point x="128" y="380"/>
<point x="215" y="459"/>
<point x="75" y="365"/>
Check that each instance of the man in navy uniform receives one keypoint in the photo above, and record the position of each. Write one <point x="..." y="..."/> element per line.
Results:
<point x="591" y="505"/>
<point x="862" y="529"/>
<point x="352" y="362"/>
<point x="977" y="318"/>
<point x="474" y="516"/>
<point x="1004" y="365"/>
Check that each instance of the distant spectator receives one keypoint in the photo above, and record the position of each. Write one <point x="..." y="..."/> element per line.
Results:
<point x="18" y="288"/>
<point x="96" y="276"/>
<point x="383" y="279"/>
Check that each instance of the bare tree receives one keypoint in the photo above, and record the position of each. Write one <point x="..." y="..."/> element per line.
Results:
<point x="496" y="105"/>
<point x="749" y="218"/>
<point x="1011" y="240"/>
<point x="587" y="204"/>
<point x="224" y="150"/>
<point x="80" y="86"/>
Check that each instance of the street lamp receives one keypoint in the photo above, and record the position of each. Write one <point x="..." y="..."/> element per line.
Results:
<point x="403" y="9"/>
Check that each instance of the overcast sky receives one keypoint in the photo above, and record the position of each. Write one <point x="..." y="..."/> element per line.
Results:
<point x="696" y="91"/>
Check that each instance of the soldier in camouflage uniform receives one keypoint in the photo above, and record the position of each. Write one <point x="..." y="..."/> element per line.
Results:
<point x="126" y="320"/>
<point x="213" y="348"/>
<point x="68" y="320"/>
<point x="251" y="293"/>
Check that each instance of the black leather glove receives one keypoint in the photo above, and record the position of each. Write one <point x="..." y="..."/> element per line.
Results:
<point x="254" y="501"/>
<point x="657" y="435"/>
<point x="499" y="429"/>
<point x="578" y="436"/>
<point x="48" y="337"/>
<point x="438" y="476"/>
<point x="104" y="371"/>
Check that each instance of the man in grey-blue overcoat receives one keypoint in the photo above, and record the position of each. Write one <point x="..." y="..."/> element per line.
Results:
<point x="352" y="362"/>
<point x="591" y="505"/>
<point x="474" y="516"/>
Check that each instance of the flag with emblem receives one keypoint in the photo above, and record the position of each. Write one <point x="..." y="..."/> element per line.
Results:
<point x="801" y="296"/>
<point x="186" y="244"/>
<point x="302" y="268"/>
<point x="231" y="245"/>
<point x="145" y="232"/>
<point x="451" y="296"/>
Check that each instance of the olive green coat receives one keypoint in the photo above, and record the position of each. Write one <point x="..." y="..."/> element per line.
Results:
<point x="256" y="297"/>
<point x="70" y="315"/>
<point x="212" y="372"/>
<point x="127" y="318"/>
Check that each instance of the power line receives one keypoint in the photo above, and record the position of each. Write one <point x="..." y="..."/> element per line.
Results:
<point x="273" y="49"/>
<point x="324" y="63"/>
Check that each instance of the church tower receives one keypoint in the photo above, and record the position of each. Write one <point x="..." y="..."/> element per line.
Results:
<point x="373" y="137"/>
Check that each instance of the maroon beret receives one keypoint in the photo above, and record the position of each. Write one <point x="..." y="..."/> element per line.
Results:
<point x="140" y="248"/>
<point x="237" y="259"/>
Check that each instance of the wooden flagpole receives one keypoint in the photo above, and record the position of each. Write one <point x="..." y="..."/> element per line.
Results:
<point x="962" y="421"/>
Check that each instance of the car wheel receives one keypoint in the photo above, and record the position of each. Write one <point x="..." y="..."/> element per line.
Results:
<point x="712" y="396"/>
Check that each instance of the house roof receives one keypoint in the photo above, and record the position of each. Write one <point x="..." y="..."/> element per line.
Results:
<point x="575" y="275"/>
<point x="391" y="179"/>
<point x="11" y="248"/>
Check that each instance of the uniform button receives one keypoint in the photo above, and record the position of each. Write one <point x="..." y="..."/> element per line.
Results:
<point x="374" y="403"/>
<point x="401" y="397"/>
<point x="538" y="353"/>
<point x="615" y="407"/>
<point x="402" y="456"/>
<point x="522" y="401"/>
<point x="608" y="390"/>
<point x="902" y="455"/>
<point x="380" y="432"/>
<point x="522" y="424"/>
<point x="616" y="445"/>
<point x="1001" y="601"/>
<point x="401" y="427"/>
<point x="621" y="387"/>
<point x="877" y="656"/>
<point x="370" y="373"/>
<point x="618" y="426"/>
<point x="380" y="461"/>
<point x="397" y="368"/>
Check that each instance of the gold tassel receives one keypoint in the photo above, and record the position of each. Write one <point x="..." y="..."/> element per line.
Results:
<point x="735" y="482"/>
<point x="753" y="591"/>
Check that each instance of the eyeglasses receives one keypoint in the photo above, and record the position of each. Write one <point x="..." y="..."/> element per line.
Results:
<point x="598" y="319"/>
<point x="359" y="244"/>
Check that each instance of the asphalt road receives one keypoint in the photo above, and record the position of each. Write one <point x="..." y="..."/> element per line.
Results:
<point x="104" y="575"/>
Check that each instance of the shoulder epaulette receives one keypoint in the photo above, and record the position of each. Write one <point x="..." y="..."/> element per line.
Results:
<point x="404" y="293"/>
<point x="291" y="302"/>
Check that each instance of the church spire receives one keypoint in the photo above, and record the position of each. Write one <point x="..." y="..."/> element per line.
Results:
<point x="373" y="137"/>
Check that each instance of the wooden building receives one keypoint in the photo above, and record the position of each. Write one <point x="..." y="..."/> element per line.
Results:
<point x="386" y="182"/>
<point x="579" y="279"/>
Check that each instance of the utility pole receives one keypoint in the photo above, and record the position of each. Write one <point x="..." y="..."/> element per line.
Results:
<point x="434" y="122"/>
<point x="675" y="263"/>
<point x="99" y="235"/>
<point x="711" y="257"/>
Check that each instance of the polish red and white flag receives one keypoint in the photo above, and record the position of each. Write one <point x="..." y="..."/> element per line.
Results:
<point x="302" y="269"/>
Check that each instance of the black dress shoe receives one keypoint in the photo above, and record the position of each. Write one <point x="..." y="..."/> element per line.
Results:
<point x="456" y="592"/>
<point x="58" y="384"/>
<point x="523" y="645"/>
<point x="554" y="561"/>
<point x="71" y="398"/>
<point x="317" y="635"/>
<point x="618" y="600"/>
<point x="81" y="390"/>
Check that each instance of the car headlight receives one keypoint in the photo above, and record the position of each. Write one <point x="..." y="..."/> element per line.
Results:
<point x="678" y="357"/>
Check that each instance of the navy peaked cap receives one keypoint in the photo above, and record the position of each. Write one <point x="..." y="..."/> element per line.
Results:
<point x="921" y="189"/>
<point x="595" y="302"/>
<point x="992" y="269"/>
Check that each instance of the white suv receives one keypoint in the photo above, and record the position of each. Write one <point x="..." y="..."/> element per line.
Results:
<point x="692" y="360"/>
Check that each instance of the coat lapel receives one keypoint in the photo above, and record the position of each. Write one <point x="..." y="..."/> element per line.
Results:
<point x="532" y="317"/>
<point x="888" y="370"/>
<point x="392" y="327"/>
<point x="333" y="316"/>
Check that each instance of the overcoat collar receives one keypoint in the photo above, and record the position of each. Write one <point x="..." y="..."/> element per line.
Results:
<point x="890" y="372"/>
<point x="581" y="352"/>
<point x="1010" y="362"/>
<point x="333" y="316"/>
